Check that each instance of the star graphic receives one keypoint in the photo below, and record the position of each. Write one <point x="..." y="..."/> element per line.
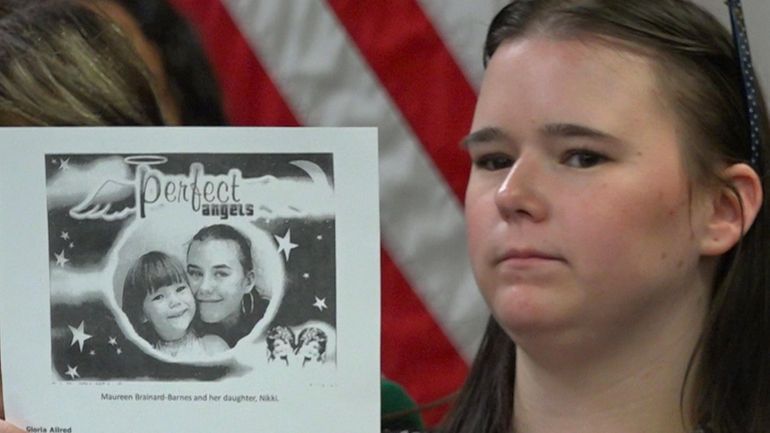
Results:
<point x="306" y="275"/>
<point x="72" y="245"/>
<point x="118" y="350"/>
<point x="320" y="303"/>
<point x="65" y="236"/>
<point x="285" y="244"/>
<point x="319" y="237"/>
<point x="78" y="335"/>
<point x="92" y="352"/>
<point x="72" y="372"/>
<point x="60" y="259"/>
<point x="64" y="164"/>
<point x="112" y="341"/>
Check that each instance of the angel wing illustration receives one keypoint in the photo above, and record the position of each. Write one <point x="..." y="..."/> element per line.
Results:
<point x="98" y="204"/>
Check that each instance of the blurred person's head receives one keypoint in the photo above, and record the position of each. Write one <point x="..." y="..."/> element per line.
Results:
<point x="187" y="90"/>
<point x="62" y="64"/>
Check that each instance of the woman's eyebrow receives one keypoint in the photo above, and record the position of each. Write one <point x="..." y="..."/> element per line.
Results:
<point x="483" y="135"/>
<point x="556" y="130"/>
<point x="571" y="130"/>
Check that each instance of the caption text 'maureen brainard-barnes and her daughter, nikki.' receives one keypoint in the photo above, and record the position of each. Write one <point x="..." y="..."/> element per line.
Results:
<point x="230" y="398"/>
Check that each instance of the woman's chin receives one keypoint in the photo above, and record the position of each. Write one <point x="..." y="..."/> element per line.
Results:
<point x="216" y="317"/>
<point x="210" y="316"/>
<point x="526" y="313"/>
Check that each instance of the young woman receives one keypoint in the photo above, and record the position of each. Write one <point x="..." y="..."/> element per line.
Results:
<point x="616" y="225"/>
<point x="220" y="268"/>
<point x="160" y="305"/>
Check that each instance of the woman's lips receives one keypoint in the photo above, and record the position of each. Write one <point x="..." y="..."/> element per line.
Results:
<point x="524" y="258"/>
<point x="209" y="301"/>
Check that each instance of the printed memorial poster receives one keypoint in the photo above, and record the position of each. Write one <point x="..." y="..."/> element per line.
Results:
<point x="189" y="279"/>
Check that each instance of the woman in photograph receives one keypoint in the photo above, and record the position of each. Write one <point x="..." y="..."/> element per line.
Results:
<point x="221" y="271"/>
<point x="616" y="225"/>
<point x="280" y="344"/>
<point x="311" y="345"/>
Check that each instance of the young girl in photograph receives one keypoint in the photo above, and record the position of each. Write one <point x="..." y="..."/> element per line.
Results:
<point x="160" y="305"/>
<point x="616" y="225"/>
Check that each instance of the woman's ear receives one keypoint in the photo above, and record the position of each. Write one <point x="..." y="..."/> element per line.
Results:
<point x="251" y="277"/>
<point x="734" y="206"/>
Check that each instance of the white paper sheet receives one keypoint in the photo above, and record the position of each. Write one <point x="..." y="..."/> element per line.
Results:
<point x="80" y="206"/>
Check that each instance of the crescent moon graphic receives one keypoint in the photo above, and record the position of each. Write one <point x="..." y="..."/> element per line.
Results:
<point x="312" y="169"/>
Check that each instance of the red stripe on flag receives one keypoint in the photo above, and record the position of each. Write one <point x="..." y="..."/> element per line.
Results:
<point x="415" y="351"/>
<point x="423" y="79"/>
<point x="250" y="98"/>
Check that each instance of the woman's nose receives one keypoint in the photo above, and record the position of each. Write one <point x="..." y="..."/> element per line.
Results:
<point x="520" y="195"/>
<point x="205" y="284"/>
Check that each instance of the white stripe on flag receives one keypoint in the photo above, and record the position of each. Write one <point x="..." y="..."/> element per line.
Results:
<point x="325" y="81"/>
<point x="462" y="25"/>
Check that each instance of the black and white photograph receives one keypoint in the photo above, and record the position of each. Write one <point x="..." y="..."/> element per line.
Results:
<point x="163" y="270"/>
<point x="207" y="254"/>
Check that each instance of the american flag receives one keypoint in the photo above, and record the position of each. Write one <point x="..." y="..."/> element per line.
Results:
<point x="413" y="69"/>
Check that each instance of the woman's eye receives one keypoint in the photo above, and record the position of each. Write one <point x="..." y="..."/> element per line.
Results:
<point x="492" y="162"/>
<point x="193" y="274"/>
<point x="221" y="274"/>
<point x="582" y="158"/>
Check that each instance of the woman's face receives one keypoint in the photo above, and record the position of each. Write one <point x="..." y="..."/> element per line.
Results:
<point x="580" y="217"/>
<point x="218" y="279"/>
<point x="170" y="309"/>
<point x="310" y="350"/>
<point x="281" y="348"/>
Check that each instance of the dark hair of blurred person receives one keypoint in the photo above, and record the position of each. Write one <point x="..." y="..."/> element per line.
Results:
<point x="62" y="64"/>
<point x="187" y="90"/>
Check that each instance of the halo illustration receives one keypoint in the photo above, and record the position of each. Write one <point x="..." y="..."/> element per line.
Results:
<point x="145" y="160"/>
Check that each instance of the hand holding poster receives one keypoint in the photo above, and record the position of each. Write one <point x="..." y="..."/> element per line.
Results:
<point x="158" y="277"/>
